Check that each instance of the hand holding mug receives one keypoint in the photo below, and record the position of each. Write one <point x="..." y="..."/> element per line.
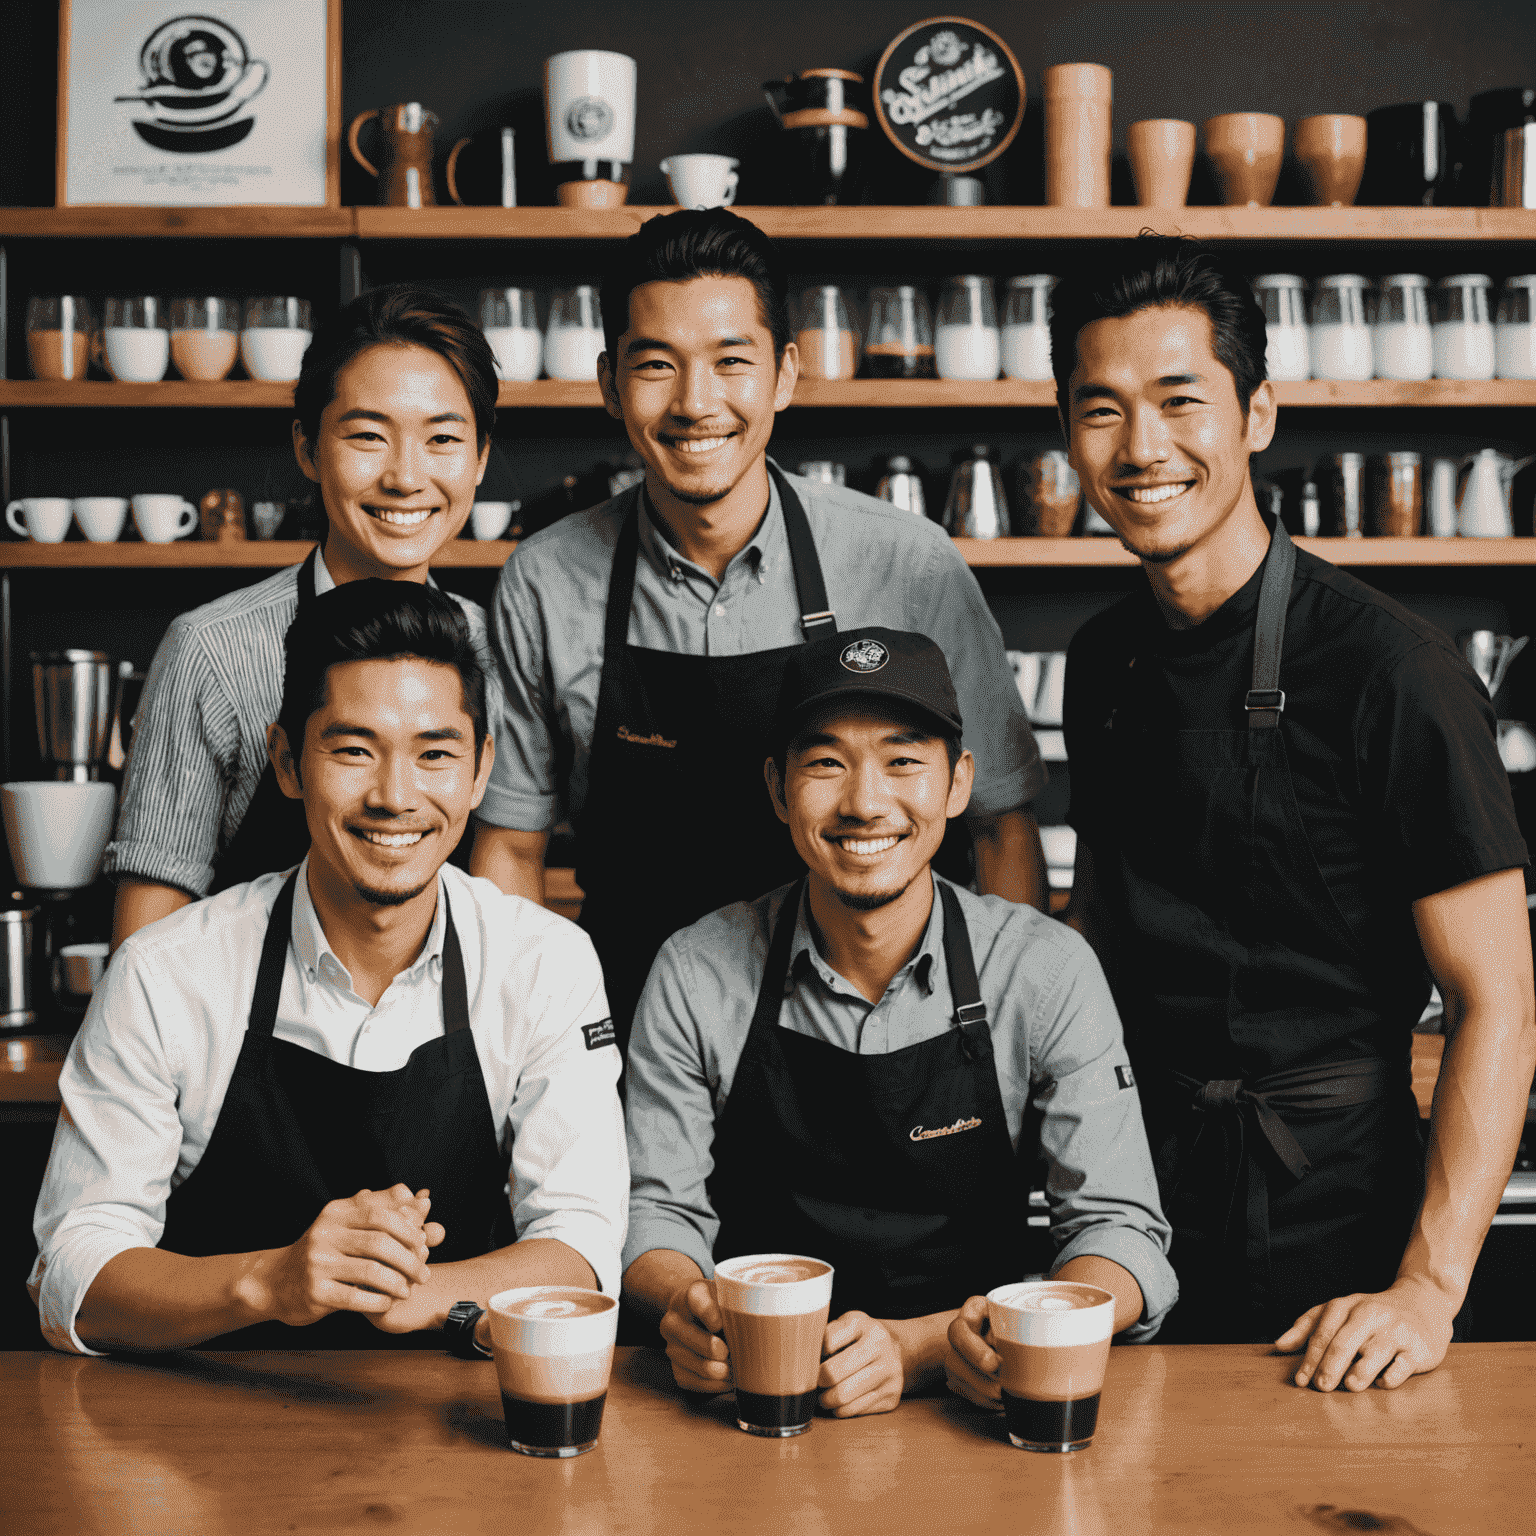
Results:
<point x="970" y="1363"/>
<point x="691" y="1327"/>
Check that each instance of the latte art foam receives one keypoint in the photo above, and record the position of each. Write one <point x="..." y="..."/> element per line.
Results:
<point x="781" y="1272"/>
<point x="1059" y="1298"/>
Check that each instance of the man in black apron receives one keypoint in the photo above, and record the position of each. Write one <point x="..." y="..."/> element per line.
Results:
<point x="642" y="644"/>
<point x="342" y="1105"/>
<point x="1291" y="816"/>
<point x="866" y="1065"/>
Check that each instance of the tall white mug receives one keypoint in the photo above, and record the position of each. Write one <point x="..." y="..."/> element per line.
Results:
<point x="160" y="519"/>
<point x="701" y="181"/>
<point x="43" y="518"/>
<point x="589" y="104"/>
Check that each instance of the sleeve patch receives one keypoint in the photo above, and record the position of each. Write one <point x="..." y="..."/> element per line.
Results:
<point x="598" y="1035"/>
<point x="1124" y="1077"/>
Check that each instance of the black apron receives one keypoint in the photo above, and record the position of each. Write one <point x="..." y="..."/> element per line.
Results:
<point x="820" y="1151"/>
<point x="1299" y="1181"/>
<point x="298" y="1130"/>
<point x="677" y="821"/>
<point x="273" y="833"/>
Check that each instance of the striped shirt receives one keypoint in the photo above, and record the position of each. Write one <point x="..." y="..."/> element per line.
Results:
<point x="200" y="734"/>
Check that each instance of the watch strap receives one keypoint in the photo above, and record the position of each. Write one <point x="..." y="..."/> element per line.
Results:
<point x="459" y="1331"/>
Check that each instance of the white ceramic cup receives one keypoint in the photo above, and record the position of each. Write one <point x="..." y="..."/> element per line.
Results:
<point x="160" y="519"/>
<point x="589" y="103"/>
<point x="490" y="518"/>
<point x="57" y="832"/>
<point x="43" y="518"/>
<point x="101" y="518"/>
<point x="701" y="181"/>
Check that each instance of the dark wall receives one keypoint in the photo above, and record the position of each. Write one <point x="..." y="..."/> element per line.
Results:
<point x="479" y="62"/>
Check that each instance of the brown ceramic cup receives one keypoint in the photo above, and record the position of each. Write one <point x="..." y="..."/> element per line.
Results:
<point x="1246" y="149"/>
<point x="1331" y="150"/>
<point x="591" y="194"/>
<point x="1162" y="155"/>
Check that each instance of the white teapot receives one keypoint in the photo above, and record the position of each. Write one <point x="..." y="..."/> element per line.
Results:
<point x="1484" y="510"/>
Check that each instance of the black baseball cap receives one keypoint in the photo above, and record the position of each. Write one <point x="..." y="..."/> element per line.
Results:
<point x="869" y="663"/>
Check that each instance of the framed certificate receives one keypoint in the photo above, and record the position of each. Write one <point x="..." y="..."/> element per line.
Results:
<point x="199" y="103"/>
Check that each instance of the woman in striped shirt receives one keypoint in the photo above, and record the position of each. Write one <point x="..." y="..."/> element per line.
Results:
<point x="393" y="413"/>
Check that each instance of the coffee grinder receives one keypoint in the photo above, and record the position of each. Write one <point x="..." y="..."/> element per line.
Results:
<point x="57" y="827"/>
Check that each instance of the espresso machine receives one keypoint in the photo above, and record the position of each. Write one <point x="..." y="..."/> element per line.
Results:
<point x="57" y="827"/>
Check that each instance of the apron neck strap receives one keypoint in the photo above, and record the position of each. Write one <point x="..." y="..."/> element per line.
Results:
<point x="1265" y="702"/>
<point x="307" y="593"/>
<point x="815" y="612"/>
<point x="958" y="960"/>
<point x="274" y="958"/>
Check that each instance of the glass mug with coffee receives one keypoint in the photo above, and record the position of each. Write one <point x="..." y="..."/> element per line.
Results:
<point x="553" y="1346"/>
<point x="774" y="1307"/>
<point x="59" y="330"/>
<point x="1052" y="1337"/>
<point x="205" y="338"/>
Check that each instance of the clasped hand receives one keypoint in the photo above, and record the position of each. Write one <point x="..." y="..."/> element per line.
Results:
<point x="1381" y="1337"/>
<point x="865" y="1361"/>
<point x="365" y="1254"/>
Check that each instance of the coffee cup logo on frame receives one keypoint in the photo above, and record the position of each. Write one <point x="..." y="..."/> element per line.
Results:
<point x="949" y="94"/>
<point x="162" y="102"/>
<point x="198" y="79"/>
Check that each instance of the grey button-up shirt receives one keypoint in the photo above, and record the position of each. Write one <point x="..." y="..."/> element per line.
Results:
<point x="881" y="565"/>
<point x="1056" y="1043"/>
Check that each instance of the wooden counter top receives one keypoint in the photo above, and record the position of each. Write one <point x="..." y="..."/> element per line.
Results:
<point x="1191" y="1440"/>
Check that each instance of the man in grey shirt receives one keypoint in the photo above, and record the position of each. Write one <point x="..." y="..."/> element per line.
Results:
<point x="641" y="644"/>
<point x="864" y="1066"/>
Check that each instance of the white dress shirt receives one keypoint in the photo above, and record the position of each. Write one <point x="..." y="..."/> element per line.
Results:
<point x="146" y="1076"/>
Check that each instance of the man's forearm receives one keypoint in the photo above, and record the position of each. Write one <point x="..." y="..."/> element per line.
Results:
<point x="512" y="861"/>
<point x="148" y="1298"/>
<point x="657" y="1276"/>
<point x="1479" y="1110"/>
<point x="1009" y="859"/>
<point x="534" y="1261"/>
<point x="138" y="903"/>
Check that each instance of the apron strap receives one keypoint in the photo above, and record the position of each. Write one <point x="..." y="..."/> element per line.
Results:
<point x="274" y="959"/>
<point x="621" y="593"/>
<point x="306" y="579"/>
<point x="1265" y="702"/>
<point x="770" y="994"/>
<point x="960" y="961"/>
<point x="1256" y="1106"/>
<point x="810" y="588"/>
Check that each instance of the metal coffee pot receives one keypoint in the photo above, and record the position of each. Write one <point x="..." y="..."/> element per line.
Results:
<point x="1489" y="655"/>
<point x="977" y="507"/>
<point x="902" y="485"/>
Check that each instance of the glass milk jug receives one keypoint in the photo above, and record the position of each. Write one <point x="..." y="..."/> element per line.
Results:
<point x="1341" y="338"/>
<point x="1401" y="336"/>
<point x="1283" y="298"/>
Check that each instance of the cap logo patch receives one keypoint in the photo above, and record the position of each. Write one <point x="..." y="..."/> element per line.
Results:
<point x="865" y="656"/>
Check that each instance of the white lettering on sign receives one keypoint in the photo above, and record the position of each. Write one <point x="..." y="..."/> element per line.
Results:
<point x="923" y="94"/>
<point x="917" y="1133"/>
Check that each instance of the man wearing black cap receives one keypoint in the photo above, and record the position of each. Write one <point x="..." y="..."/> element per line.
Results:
<point x="852" y="1069"/>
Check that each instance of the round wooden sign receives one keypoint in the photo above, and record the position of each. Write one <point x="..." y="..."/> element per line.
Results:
<point x="949" y="94"/>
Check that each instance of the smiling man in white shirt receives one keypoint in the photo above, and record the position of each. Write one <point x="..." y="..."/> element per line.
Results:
<point x="288" y="1099"/>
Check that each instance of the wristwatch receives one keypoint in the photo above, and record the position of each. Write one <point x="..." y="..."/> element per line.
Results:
<point x="459" y="1331"/>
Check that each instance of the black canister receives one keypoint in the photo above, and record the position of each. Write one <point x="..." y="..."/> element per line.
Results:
<point x="824" y="127"/>
<point x="1413" y="152"/>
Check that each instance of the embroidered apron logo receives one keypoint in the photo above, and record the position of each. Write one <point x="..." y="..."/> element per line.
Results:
<point x="598" y="1035"/>
<point x="865" y="656"/>
<point x="655" y="739"/>
<point x="917" y="1133"/>
<point x="1124" y="1077"/>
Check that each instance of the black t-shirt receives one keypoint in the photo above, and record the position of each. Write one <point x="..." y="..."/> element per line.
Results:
<point x="1390" y="736"/>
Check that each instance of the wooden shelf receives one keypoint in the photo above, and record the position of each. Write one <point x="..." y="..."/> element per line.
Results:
<point x="111" y="223"/>
<point x="1505" y="225"/>
<point x="248" y="554"/>
<point x="865" y="394"/>
<point x="1018" y="554"/>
